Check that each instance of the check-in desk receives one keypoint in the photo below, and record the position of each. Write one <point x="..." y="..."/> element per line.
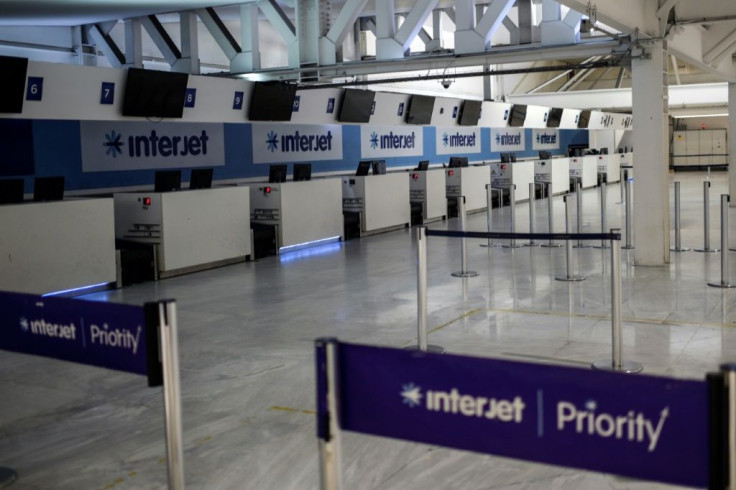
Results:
<point x="304" y="213"/>
<point x="189" y="230"/>
<point x="427" y="195"/>
<point x="609" y="168"/>
<point x="585" y="170"/>
<point x="553" y="171"/>
<point x="56" y="246"/>
<point x="381" y="202"/>
<point x="519" y="173"/>
<point x="469" y="182"/>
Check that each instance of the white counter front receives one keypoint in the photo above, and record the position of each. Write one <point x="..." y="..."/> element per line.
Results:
<point x="381" y="200"/>
<point x="469" y="182"/>
<point x="428" y="188"/>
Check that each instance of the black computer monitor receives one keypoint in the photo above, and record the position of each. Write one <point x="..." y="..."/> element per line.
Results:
<point x="276" y="173"/>
<point x="505" y="157"/>
<point x="167" y="180"/>
<point x="544" y="155"/>
<point x="302" y="171"/>
<point x="48" y="189"/>
<point x="379" y="167"/>
<point x="512" y="157"/>
<point x="201" y="178"/>
<point x="363" y="168"/>
<point x="423" y="165"/>
<point x="604" y="151"/>
<point x="11" y="191"/>
<point x="456" y="162"/>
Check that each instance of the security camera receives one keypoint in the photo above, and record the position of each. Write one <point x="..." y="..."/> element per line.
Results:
<point x="446" y="83"/>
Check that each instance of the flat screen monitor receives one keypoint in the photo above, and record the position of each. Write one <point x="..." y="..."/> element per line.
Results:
<point x="363" y="168"/>
<point x="604" y="151"/>
<point x="272" y="101"/>
<point x="11" y="191"/>
<point x="423" y="165"/>
<point x="201" y="178"/>
<point x="276" y="173"/>
<point x="48" y="189"/>
<point x="152" y="93"/>
<point x="420" y="109"/>
<point x="167" y="180"/>
<point x="544" y="155"/>
<point x="505" y="157"/>
<point x="583" y="119"/>
<point x="470" y="113"/>
<point x="517" y="116"/>
<point x="302" y="171"/>
<point x="554" y="117"/>
<point x="512" y="157"/>
<point x="379" y="167"/>
<point x="12" y="83"/>
<point x="456" y="162"/>
<point x="356" y="106"/>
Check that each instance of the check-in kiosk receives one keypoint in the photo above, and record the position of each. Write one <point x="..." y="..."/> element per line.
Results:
<point x="427" y="195"/>
<point x="584" y="169"/>
<point x="59" y="246"/>
<point x="609" y="168"/>
<point x="304" y="213"/>
<point x="469" y="182"/>
<point x="553" y="171"/>
<point x="519" y="173"/>
<point x="189" y="230"/>
<point x="375" y="203"/>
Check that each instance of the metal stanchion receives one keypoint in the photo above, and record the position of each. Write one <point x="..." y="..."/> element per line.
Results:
<point x="678" y="237"/>
<point x="422" y="294"/>
<point x="724" y="246"/>
<point x="489" y="204"/>
<point x="172" y="394"/>
<point x="579" y="202"/>
<point x="706" y="219"/>
<point x="604" y="197"/>
<point x="569" y="276"/>
<point x="330" y="450"/>
<point x="532" y="213"/>
<point x="629" y="216"/>
<point x="550" y="216"/>
<point x="621" y="182"/>
<point x="512" y="213"/>
<point x="7" y="477"/>
<point x="729" y="374"/>
<point x="616" y="363"/>
<point x="464" y="272"/>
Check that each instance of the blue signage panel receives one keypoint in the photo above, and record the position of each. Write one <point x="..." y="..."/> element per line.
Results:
<point x="639" y="426"/>
<point x="88" y="332"/>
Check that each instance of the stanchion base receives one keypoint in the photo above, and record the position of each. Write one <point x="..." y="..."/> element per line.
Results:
<point x="725" y="285"/>
<point x="707" y="250"/>
<point x="437" y="349"/>
<point x="464" y="274"/>
<point x="531" y="244"/>
<point x="7" y="477"/>
<point x="571" y="278"/>
<point x="601" y="246"/>
<point x="515" y="245"/>
<point x="626" y="366"/>
<point x="490" y="245"/>
<point x="627" y="247"/>
<point x="582" y="245"/>
<point x="732" y="249"/>
<point x="681" y="249"/>
<point x="552" y="245"/>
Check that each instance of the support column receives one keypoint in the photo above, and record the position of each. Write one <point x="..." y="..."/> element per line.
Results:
<point x="732" y="142"/>
<point x="249" y="59"/>
<point x="437" y="24"/>
<point x="133" y="44"/>
<point x="189" y="61"/>
<point x="651" y="183"/>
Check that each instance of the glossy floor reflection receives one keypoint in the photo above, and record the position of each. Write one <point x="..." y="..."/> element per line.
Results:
<point x="246" y="342"/>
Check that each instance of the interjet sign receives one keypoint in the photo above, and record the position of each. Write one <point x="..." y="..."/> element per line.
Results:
<point x="284" y="143"/>
<point x="126" y="145"/>
<point x="545" y="139"/>
<point x="391" y="141"/>
<point x="454" y="141"/>
<point x="507" y="139"/>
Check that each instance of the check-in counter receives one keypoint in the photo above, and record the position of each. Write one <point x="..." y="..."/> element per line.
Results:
<point x="427" y="193"/>
<point x="190" y="230"/>
<point x="49" y="247"/>
<point x="469" y="182"/>
<point x="609" y="168"/>
<point x="305" y="213"/>
<point x="380" y="201"/>
<point x="585" y="169"/>
<point x="553" y="171"/>
<point x="519" y="173"/>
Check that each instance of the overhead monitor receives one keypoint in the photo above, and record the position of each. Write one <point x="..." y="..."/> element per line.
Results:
<point x="423" y="165"/>
<point x="201" y="178"/>
<point x="277" y="173"/>
<point x="302" y="171"/>
<point x="356" y="106"/>
<point x="363" y="168"/>
<point x="379" y="167"/>
<point x="48" y="189"/>
<point x="583" y="119"/>
<point x="517" y="116"/>
<point x="167" y="180"/>
<point x="152" y="93"/>
<point x="470" y="113"/>
<point x="272" y="101"/>
<point x="554" y="117"/>
<point x="12" y="84"/>
<point x="11" y="191"/>
<point x="420" y="109"/>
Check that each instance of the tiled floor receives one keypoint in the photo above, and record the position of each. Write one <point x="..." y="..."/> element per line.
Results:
<point x="246" y="342"/>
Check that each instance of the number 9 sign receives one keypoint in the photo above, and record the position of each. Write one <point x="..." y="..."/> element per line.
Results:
<point x="238" y="101"/>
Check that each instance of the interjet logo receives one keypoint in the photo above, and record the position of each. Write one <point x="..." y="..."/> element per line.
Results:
<point x="152" y="144"/>
<point x="299" y="141"/>
<point x="391" y="141"/>
<point x="508" y="139"/>
<point x="458" y="140"/>
<point x="48" y="329"/>
<point x="547" y="138"/>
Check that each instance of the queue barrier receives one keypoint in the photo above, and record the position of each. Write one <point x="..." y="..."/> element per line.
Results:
<point x="135" y="339"/>
<point x="645" y="427"/>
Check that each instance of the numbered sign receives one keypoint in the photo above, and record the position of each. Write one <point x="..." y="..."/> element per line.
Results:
<point x="190" y="97"/>
<point x="454" y="112"/>
<point x="373" y="107"/>
<point x="297" y="101"/>
<point x="238" y="101"/>
<point x="107" y="93"/>
<point x="35" y="88"/>
<point x="401" y="109"/>
<point x="330" y="105"/>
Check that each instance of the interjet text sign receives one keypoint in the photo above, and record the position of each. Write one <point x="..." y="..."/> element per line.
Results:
<point x="391" y="141"/>
<point x="286" y="143"/>
<point x="126" y="145"/>
<point x="545" y="139"/>
<point x="88" y="332"/>
<point x="508" y="139"/>
<point x="634" y="425"/>
<point x="455" y="141"/>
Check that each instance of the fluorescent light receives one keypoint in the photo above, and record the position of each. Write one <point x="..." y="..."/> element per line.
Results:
<point x="688" y="116"/>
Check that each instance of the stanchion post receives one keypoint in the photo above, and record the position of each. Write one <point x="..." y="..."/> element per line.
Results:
<point x="678" y="225"/>
<point x="579" y="202"/>
<point x="422" y="287"/>
<point x="569" y="276"/>
<point x="489" y="219"/>
<point x="621" y="183"/>
<point x="604" y="198"/>
<point x="172" y="392"/>
<point x="724" y="246"/>
<point x="729" y="375"/>
<point x="629" y="216"/>
<point x="512" y="213"/>
<point x="464" y="272"/>
<point x="532" y="212"/>
<point x="617" y="362"/>
<point x="330" y="450"/>
<point x="550" y="217"/>
<point x="706" y="219"/>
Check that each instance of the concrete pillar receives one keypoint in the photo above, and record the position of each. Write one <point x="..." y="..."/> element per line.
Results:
<point x="651" y="146"/>
<point x="189" y="61"/>
<point x="133" y="44"/>
<point x="732" y="142"/>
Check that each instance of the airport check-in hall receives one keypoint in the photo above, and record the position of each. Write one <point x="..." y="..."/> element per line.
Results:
<point x="338" y="245"/>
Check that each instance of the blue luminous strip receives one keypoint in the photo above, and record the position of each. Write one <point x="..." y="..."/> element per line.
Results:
<point x="300" y="246"/>
<point x="73" y="290"/>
